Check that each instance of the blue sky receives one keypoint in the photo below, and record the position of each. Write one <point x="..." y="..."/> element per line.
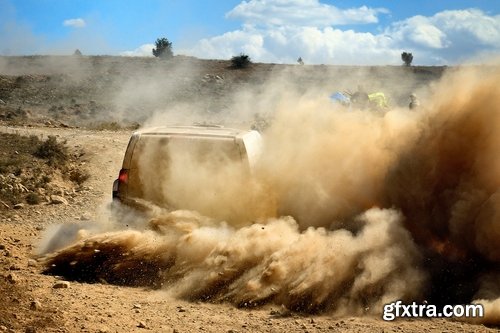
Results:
<point x="357" y="32"/>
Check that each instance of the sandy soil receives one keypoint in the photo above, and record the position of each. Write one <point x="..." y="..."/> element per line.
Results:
<point x="32" y="301"/>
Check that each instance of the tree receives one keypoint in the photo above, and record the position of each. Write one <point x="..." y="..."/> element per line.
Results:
<point x="163" y="49"/>
<point x="241" y="61"/>
<point x="407" y="58"/>
<point x="77" y="52"/>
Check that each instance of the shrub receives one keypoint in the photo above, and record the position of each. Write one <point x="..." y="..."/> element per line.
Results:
<point x="163" y="49"/>
<point x="78" y="176"/>
<point x="33" y="199"/>
<point x="240" y="61"/>
<point x="407" y="58"/>
<point x="44" y="180"/>
<point x="53" y="151"/>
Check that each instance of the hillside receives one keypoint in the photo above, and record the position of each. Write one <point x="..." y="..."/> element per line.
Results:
<point x="90" y="91"/>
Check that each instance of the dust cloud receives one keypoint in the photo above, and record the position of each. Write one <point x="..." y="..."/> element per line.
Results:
<point x="367" y="208"/>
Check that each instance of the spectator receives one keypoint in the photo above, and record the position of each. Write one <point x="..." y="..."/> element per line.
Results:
<point x="360" y="98"/>
<point x="414" y="103"/>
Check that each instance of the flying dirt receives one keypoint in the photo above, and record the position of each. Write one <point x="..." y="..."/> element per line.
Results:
<point x="368" y="208"/>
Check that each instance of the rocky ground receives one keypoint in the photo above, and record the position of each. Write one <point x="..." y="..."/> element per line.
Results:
<point x="34" y="302"/>
<point x="78" y="101"/>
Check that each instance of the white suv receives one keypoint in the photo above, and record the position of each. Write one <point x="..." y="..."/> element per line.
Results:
<point x="187" y="167"/>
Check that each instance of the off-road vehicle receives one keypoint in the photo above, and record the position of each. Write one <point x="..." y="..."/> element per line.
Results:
<point x="187" y="167"/>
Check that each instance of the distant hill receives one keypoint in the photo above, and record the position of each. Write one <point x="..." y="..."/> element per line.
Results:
<point x="84" y="90"/>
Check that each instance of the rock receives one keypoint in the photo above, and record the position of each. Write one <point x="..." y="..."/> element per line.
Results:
<point x="61" y="285"/>
<point x="2" y="247"/>
<point x="12" y="278"/>
<point x="57" y="199"/>
<point x="30" y="329"/>
<point x="136" y="306"/>
<point x="19" y="206"/>
<point x="35" y="305"/>
<point x="141" y="324"/>
<point x="32" y="263"/>
<point x="85" y="217"/>
<point x="15" y="267"/>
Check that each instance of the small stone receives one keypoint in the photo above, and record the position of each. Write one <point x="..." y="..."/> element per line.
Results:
<point x="15" y="267"/>
<point x="35" y="305"/>
<point x="61" y="285"/>
<point x="57" y="199"/>
<point x="136" y="306"/>
<point x="19" y="206"/>
<point x="141" y="324"/>
<point x="3" y="328"/>
<point x="12" y="278"/>
<point x="32" y="263"/>
<point x="2" y="247"/>
<point x="30" y="329"/>
<point x="85" y="217"/>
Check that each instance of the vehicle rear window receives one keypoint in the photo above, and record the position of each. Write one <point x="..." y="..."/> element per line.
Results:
<point x="200" y="150"/>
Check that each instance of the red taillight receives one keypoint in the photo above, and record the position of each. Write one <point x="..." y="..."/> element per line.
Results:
<point x="123" y="176"/>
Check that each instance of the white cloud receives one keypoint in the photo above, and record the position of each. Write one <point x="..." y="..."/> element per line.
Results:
<point x="282" y="30"/>
<point x="75" y="23"/>
<point x="314" y="45"/>
<point x="145" y="50"/>
<point x="472" y="22"/>
<point x="418" y="30"/>
<point x="453" y="35"/>
<point x="301" y="13"/>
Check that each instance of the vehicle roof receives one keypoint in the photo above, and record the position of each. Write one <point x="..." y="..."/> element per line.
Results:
<point x="208" y="130"/>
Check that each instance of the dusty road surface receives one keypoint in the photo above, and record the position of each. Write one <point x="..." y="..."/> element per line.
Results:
<point x="34" y="302"/>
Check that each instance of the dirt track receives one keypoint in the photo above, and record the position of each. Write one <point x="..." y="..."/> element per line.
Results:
<point x="30" y="303"/>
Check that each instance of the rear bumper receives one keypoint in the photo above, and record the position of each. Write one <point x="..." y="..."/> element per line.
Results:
<point x="115" y="192"/>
